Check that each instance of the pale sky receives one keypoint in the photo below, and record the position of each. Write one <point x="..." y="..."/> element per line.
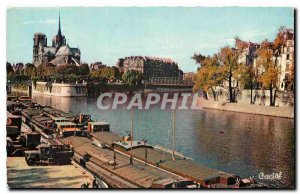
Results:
<point x="108" y="33"/>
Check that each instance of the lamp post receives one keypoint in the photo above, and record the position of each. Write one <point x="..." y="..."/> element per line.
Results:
<point x="131" y="136"/>
<point x="174" y="123"/>
<point x="146" y="152"/>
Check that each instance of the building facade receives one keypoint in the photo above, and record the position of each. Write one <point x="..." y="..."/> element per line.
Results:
<point x="151" y="67"/>
<point x="96" y="66"/>
<point x="285" y="61"/>
<point x="60" y="89"/>
<point x="59" y="53"/>
<point x="247" y="51"/>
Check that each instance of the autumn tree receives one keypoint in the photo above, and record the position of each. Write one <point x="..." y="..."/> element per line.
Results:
<point x="268" y="57"/>
<point x="291" y="78"/>
<point x="279" y="43"/>
<point x="249" y="78"/>
<point x="207" y="75"/>
<point x="199" y="58"/>
<point x="229" y="65"/>
<point x="269" y="78"/>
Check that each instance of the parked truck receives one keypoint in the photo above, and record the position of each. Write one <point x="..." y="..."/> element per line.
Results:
<point x="49" y="155"/>
<point x="23" y="142"/>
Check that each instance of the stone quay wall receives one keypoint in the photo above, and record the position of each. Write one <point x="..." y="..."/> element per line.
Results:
<point x="284" y="106"/>
<point x="283" y="98"/>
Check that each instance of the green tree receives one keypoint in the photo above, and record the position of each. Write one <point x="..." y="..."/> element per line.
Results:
<point x="9" y="68"/>
<point x="67" y="69"/>
<point x="132" y="77"/>
<point x="19" y="78"/>
<point x="45" y="70"/>
<point x="110" y="73"/>
<point x="84" y="69"/>
<point x="30" y="70"/>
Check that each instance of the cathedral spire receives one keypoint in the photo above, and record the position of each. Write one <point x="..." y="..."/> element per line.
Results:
<point x="59" y="30"/>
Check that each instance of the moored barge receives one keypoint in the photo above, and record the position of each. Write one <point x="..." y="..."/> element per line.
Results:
<point x="119" y="162"/>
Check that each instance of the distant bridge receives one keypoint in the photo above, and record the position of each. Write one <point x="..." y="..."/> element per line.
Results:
<point x="167" y="84"/>
<point x="168" y="81"/>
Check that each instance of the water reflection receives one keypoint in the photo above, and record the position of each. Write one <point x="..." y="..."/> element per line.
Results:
<point x="242" y="144"/>
<point x="66" y="104"/>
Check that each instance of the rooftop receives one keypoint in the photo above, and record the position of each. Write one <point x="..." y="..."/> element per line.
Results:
<point x="98" y="123"/>
<point x="71" y="129"/>
<point x="60" y="119"/>
<point x="65" y="124"/>
<point x="135" y="144"/>
<point x="164" y="60"/>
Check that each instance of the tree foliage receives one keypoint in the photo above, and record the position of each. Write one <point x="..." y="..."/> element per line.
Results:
<point x="9" y="68"/>
<point x="18" y="78"/>
<point x="208" y="73"/>
<point x="132" y="77"/>
<point x="110" y="73"/>
<point x="269" y="78"/>
<point x="45" y="70"/>
<point x="67" y="69"/>
<point x="212" y="70"/>
<point x="30" y="70"/>
<point x="84" y="69"/>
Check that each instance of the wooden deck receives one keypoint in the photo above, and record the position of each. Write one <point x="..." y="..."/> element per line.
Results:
<point x="138" y="173"/>
<point x="158" y="166"/>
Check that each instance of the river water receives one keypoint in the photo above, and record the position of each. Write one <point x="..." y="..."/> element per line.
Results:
<point x="237" y="143"/>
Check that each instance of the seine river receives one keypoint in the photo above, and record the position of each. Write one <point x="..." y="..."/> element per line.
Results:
<point x="237" y="143"/>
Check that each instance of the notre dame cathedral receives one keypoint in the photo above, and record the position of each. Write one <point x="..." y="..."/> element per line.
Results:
<point x="58" y="54"/>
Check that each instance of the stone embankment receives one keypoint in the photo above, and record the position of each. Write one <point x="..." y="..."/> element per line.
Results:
<point x="286" y="112"/>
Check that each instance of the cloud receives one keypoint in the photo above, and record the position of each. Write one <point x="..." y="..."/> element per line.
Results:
<point x="49" y="21"/>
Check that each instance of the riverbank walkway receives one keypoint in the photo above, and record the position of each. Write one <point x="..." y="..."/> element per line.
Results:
<point x="20" y="175"/>
<point x="285" y="112"/>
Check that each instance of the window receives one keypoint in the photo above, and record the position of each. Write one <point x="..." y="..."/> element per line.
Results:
<point x="288" y="57"/>
<point x="80" y="90"/>
<point x="77" y="90"/>
<point x="287" y="67"/>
